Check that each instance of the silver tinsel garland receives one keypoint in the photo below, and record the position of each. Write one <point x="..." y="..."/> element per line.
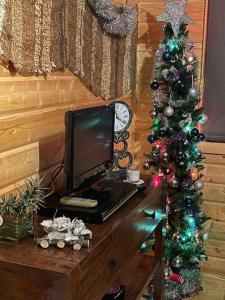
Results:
<point x="191" y="285"/>
<point x="119" y="22"/>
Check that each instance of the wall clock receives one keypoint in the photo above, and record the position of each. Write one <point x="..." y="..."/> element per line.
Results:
<point x="123" y="118"/>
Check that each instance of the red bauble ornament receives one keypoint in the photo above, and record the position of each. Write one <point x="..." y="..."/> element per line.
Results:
<point x="157" y="180"/>
<point x="176" y="278"/>
<point x="168" y="200"/>
<point x="153" y="114"/>
<point x="159" y="146"/>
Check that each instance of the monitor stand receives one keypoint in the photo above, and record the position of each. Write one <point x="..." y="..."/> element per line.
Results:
<point x="110" y="194"/>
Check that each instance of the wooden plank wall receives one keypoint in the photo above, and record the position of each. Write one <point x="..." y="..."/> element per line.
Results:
<point x="32" y="122"/>
<point x="214" y="206"/>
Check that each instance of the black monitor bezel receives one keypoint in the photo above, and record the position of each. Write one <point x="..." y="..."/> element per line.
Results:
<point x="72" y="181"/>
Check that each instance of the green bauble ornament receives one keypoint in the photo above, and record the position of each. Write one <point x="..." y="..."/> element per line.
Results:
<point x="155" y="124"/>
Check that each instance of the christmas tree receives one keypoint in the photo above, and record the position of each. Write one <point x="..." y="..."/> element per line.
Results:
<point x="175" y="154"/>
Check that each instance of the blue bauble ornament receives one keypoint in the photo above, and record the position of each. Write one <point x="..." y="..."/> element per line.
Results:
<point x="201" y="137"/>
<point x="162" y="133"/>
<point x="194" y="132"/>
<point x="154" y="85"/>
<point x="180" y="156"/>
<point x="181" y="88"/>
<point x="188" y="201"/>
<point x="152" y="138"/>
<point x="167" y="56"/>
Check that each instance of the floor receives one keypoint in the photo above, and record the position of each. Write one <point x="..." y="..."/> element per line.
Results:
<point x="214" y="289"/>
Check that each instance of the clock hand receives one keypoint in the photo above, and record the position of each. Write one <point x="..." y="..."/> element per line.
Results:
<point x="121" y="120"/>
<point x="124" y="122"/>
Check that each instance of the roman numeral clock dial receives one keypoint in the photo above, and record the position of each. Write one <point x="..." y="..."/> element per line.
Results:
<point x="123" y="119"/>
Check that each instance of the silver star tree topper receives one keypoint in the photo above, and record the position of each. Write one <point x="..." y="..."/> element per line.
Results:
<point x="175" y="15"/>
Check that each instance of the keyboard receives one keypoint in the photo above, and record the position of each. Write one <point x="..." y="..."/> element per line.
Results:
<point x="118" y="174"/>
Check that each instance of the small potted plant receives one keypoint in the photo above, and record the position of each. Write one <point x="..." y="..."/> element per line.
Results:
<point x="16" y="210"/>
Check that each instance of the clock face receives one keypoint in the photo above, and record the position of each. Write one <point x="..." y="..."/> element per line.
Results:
<point x="123" y="116"/>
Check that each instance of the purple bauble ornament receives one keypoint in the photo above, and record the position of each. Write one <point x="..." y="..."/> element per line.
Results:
<point x="147" y="165"/>
<point x="186" y="183"/>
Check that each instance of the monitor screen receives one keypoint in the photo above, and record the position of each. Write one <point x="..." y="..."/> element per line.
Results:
<point x="91" y="141"/>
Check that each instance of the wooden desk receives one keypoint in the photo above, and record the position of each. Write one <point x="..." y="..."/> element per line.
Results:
<point x="28" y="272"/>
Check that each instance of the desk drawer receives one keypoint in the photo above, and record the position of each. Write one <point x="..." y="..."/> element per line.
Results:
<point x="99" y="271"/>
<point x="130" y="235"/>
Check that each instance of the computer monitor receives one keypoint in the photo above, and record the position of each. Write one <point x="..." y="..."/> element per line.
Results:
<point x="89" y="137"/>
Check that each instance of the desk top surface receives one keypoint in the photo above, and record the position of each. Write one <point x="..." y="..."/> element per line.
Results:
<point x="64" y="260"/>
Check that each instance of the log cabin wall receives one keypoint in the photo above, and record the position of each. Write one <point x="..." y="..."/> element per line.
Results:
<point x="32" y="122"/>
<point x="214" y="206"/>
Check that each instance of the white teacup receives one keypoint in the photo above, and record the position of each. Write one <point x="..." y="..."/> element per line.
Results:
<point x="133" y="174"/>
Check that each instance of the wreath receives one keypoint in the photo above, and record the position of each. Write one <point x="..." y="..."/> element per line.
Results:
<point x="116" y="21"/>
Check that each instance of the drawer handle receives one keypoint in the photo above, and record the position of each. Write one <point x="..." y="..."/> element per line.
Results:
<point x="113" y="263"/>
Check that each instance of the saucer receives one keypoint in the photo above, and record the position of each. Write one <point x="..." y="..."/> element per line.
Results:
<point x="140" y="181"/>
